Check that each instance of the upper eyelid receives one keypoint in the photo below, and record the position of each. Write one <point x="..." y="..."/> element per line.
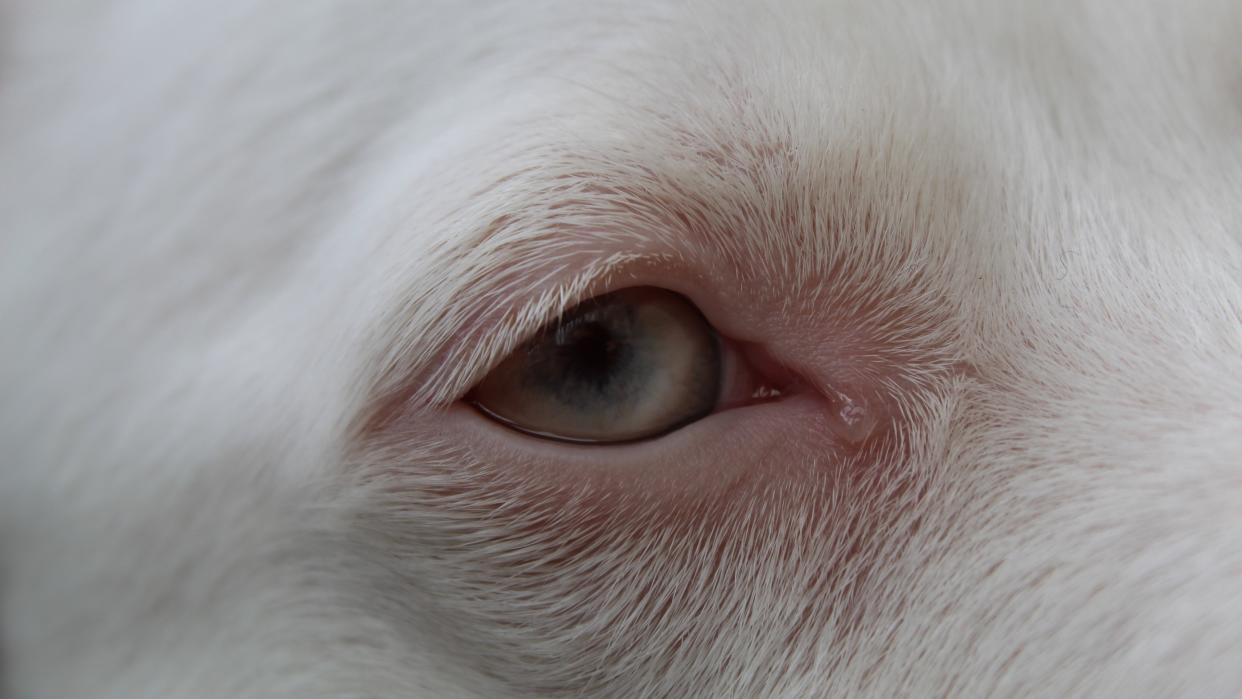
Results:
<point x="500" y="279"/>
<point x="486" y="288"/>
<point x="487" y="329"/>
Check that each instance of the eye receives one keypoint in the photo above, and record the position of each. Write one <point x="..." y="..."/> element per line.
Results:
<point x="625" y="366"/>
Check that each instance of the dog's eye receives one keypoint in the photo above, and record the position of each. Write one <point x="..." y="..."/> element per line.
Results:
<point x="629" y="365"/>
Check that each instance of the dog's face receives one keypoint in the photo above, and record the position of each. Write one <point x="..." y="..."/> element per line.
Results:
<point x="633" y="349"/>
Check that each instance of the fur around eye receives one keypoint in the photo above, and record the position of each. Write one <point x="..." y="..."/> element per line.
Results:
<point x="625" y="366"/>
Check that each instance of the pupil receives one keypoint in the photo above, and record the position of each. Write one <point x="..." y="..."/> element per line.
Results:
<point x="591" y="353"/>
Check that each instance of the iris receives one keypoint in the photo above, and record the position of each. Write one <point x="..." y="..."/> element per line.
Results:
<point x="629" y="365"/>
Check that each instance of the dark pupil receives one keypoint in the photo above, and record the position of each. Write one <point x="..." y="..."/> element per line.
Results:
<point x="588" y="352"/>
<point x="587" y="359"/>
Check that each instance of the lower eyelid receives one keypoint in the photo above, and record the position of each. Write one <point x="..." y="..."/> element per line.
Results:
<point x="693" y="460"/>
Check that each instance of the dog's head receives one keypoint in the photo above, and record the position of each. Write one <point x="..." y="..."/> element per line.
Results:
<point x="633" y="349"/>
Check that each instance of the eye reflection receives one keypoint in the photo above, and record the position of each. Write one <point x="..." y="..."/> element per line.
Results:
<point x="625" y="366"/>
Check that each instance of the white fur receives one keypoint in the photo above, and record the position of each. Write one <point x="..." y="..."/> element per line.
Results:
<point x="232" y="233"/>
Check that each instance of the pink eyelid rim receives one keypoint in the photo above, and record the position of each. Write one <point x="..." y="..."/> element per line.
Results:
<point x="752" y="376"/>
